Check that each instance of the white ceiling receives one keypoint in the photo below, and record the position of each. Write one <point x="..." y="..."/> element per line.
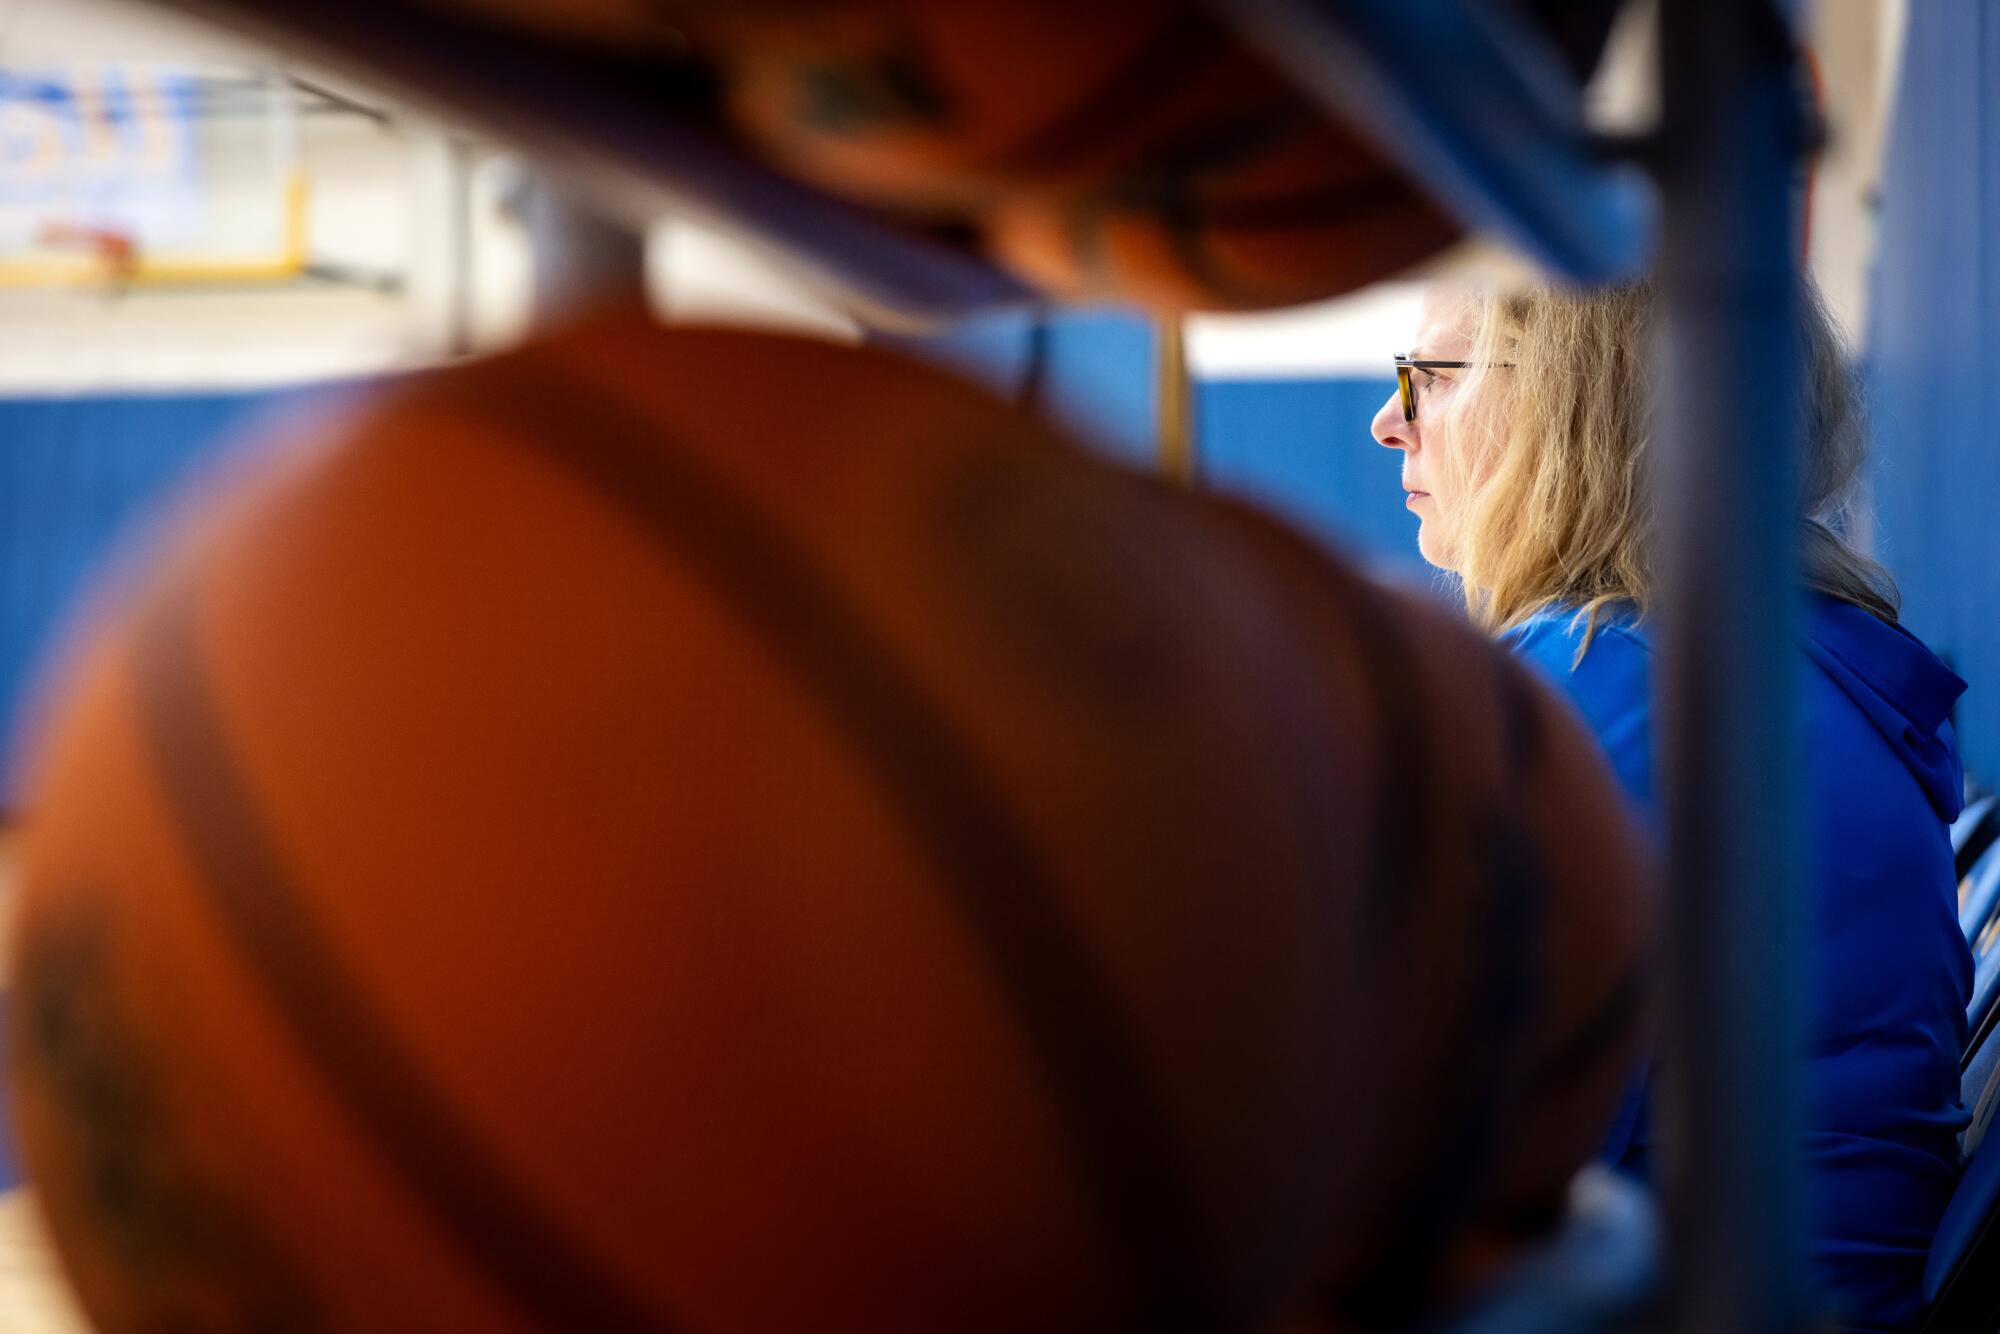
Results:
<point x="59" y="32"/>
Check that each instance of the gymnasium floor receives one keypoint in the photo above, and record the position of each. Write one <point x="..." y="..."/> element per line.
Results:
<point x="33" y="1297"/>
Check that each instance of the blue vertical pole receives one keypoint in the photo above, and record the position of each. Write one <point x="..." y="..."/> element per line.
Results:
<point x="1726" y="485"/>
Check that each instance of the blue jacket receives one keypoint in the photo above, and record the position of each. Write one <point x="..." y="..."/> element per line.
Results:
<point x="1889" y="970"/>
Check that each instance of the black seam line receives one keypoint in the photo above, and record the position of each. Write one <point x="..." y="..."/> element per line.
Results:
<point x="492" y="1219"/>
<point x="1608" y="1022"/>
<point x="1525" y="735"/>
<point x="1190" y="247"/>
<point x="1193" y="228"/>
<point x="1320" y="206"/>
<point x="1189" y="46"/>
<point x="1483" y="1097"/>
<point x="988" y="867"/>
<point x="1619" y="1010"/>
<point x="1185" y="169"/>
<point x="1400" y="854"/>
<point x="1089" y="245"/>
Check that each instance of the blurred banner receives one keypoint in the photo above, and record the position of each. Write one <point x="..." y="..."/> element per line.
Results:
<point x="158" y="172"/>
<point x="113" y="148"/>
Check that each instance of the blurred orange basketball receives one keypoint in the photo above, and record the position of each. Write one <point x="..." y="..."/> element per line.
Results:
<point x="1132" y="149"/>
<point x="1129" y="149"/>
<point x="628" y="24"/>
<point x="1510" y="957"/>
<point x="712" y="831"/>
<point x="944" y="103"/>
<point x="1268" y="207"/>
<point x="625" y="27"/>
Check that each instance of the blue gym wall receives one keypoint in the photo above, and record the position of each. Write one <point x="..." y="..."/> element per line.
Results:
<point x="72" y="473"/>
<point x="1934" y="353"/>
<point x="75" y="472"/>
<point x="1300" y="446"/>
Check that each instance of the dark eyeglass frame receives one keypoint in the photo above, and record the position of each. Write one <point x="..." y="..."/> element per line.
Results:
<point x="1407" y="390"/>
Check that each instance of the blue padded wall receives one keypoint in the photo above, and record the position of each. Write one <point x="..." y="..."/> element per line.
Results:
<point x="1096" y="370"/>
<point x="1302" y="448"/>
<point x="1934" y="352"/>
<point x="73" y="472"/>
<point x="1299" y="446"/>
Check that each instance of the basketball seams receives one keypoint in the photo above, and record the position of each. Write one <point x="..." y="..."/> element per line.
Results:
<point x="1603" y="1026"/>
<point x="1613" y="1016"/>
<point x="1404" y="854"/>
<point x="412" y="425"/>
<point x="191" y="1252"/>
<point x="1193" y="230"/>
<point x="1322" y="205"/>
<point x="903" y="69"/>
<point x="1187" y="47"/>
<point x="1401" y="855"/>
<point x="1165" y="193"/>
<point x="1396" y="833"/>
<point x="1495" y="1012"/>
<point x="1184" y="170"/>
<point x="1002" y="890"/>
<point x="480" y="1208"/>
<point x="583" y="423"/>
<point x="1480" y="1099"/>
<point x="1369" y="634"/>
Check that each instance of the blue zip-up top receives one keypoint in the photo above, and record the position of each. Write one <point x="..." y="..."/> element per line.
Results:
<point x="1889" y="971"/>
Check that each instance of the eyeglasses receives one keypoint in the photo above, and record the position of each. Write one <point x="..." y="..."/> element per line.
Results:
<point x="1408" y="391"/>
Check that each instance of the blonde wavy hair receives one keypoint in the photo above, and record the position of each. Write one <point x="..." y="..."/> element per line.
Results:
<point x="1556" y="511"/>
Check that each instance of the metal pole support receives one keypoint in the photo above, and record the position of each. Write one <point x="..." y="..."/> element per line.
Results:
<point x="582" y="256"/>
<point x="1727" y="487"/>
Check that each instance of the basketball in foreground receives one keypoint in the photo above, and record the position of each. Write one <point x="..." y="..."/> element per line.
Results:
<point x="713" y="832"/>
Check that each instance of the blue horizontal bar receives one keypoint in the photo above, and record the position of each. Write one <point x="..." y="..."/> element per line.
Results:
<point x="1479" y="108"/>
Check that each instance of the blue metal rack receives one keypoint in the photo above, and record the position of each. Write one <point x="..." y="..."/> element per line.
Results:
<point x="1491" y="123"/>
<point x="1493" y="126"/>
<point x="1479" y="108"/>
<point x="1732" y="134"/>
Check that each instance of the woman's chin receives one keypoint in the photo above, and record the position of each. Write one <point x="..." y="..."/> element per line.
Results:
<point x="1431" y="545"/>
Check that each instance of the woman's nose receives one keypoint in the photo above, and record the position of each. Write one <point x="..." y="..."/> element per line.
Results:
<point x="1389" y="428"/>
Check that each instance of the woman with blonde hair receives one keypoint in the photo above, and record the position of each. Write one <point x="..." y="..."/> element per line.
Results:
<point x="1524" y="427"/>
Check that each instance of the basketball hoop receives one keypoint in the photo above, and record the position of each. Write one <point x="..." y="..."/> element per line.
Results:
<point x="115" y="252"/>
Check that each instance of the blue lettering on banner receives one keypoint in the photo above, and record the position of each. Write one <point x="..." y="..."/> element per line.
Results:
<point x="98" y="147"/>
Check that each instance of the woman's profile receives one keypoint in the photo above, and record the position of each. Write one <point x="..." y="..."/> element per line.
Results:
<point x="1522" y="420"/>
